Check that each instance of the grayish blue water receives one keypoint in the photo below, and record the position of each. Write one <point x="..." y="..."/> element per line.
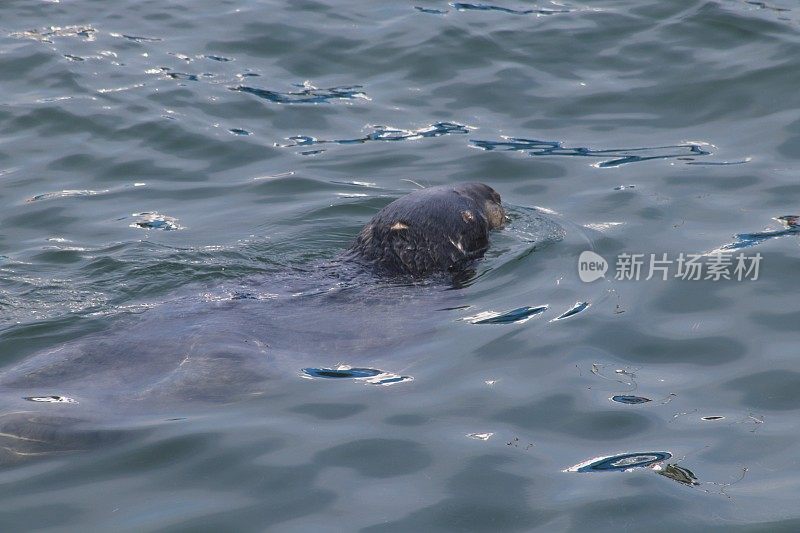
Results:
<point x="176" y="356"/>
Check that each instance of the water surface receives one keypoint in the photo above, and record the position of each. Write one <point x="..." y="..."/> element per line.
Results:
<point x="163" y="166"/>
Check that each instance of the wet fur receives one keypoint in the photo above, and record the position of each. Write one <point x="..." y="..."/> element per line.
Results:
<point x="438" y="229"/>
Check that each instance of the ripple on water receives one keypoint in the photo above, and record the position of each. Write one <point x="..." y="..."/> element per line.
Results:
<point x="67" y="193"/>
<point x="50" y="399"/>
<point x="431" y="10"/>
<point x="307" y="95"/>
<point x="180" y="75"/>
<point x="46" y="35"/>
<point x="464" y="6"/>
<point x="136" y="38"/>
<point x="386" y="133"/>
<point x="372" y="376"/>
<point x="574" y="310"/>
<point x="78" y="193"/>
<point x="612" y="157"/>
<point x="620" y="462"/>
<point x="791" y="224"/>
<point x="519" y="315"/>
<point x="153" y="220"/>
<point x="764" y="5"/>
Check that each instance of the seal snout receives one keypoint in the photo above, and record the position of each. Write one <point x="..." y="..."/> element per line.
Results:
<point x="495" y="214"/>
<point x="488" y="199"/>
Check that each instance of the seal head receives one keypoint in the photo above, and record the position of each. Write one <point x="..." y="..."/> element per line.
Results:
<point x="438" y="229"/>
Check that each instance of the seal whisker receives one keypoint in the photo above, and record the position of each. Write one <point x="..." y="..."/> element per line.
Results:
<point x="414" y="182"/>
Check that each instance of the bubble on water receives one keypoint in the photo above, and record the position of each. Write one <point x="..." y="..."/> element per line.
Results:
<point x="631" y="400"/>
<point x="372" y="376"/>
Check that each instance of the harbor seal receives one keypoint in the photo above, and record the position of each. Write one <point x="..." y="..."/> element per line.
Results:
<point x="228" y="344"/>
<point x="434" y="230"/>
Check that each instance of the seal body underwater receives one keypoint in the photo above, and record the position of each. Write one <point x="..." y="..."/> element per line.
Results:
<point x="220" y="345"/>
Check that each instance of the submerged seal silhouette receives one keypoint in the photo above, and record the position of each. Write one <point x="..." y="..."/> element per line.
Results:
<point x="433" y="230"/>
<point x="219" y="346"/>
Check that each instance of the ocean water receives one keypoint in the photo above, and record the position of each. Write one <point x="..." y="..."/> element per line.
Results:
<point x="178" y="354"/>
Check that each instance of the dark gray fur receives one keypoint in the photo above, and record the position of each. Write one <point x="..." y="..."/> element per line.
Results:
<point x="432" y="230"/>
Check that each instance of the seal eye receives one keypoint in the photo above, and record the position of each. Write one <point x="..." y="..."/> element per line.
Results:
<point x="467" y="216"/>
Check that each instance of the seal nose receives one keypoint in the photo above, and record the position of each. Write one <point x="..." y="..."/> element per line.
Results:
<point x="489" y="199"/>
<point x="495" y="214"/>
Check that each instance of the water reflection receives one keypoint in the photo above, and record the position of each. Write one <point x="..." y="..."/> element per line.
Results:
<point x="791" y="225"/>
<point x="621" y="462"/>
<point x="614" y="157"/>
<point x="385" y="133"/>
<point x="519" y="315"/>
<point x="50" y="399"/>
